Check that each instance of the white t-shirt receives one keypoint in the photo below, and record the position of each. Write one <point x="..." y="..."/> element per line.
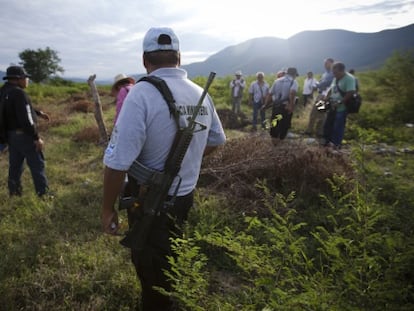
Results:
<point x="309" y="86"/>
<point x="145" y="128"/>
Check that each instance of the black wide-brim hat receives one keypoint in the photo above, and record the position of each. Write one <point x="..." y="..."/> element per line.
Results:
<point x="16" y="72"/>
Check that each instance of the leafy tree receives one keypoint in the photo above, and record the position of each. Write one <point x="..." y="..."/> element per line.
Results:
<point x="41" y="64"/>
<point x="397" y="77"/>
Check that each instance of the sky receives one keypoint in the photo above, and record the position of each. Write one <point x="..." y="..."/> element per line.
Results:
<point x="104" y="37"/>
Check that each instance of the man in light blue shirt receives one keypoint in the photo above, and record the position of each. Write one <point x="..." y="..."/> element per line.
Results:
<point x="283" y="95"/>
<point x="316" y="117"/>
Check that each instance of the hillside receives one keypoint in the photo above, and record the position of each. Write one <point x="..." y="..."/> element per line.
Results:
<point x="306" y="51"/>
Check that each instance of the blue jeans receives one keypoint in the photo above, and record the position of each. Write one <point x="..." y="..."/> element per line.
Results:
<point x="256" y="110"/>
<point x="334" y="127"/>
<point x="21" y="147"/>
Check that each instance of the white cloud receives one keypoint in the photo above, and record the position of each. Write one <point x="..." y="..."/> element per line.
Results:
<point x="105" y="36"/>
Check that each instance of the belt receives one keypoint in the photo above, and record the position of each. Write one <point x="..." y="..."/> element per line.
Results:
<point x="17" y="131"/>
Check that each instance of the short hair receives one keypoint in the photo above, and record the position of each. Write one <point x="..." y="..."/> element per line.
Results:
<point x="352" y="71"/>
<point x="339" y="66"/>
<point x="259" y="73"/>
<point x="329" y="59"/>
<point x="159" y="58"/>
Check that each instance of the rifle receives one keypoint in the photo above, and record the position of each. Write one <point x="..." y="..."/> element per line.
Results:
<point x="160" y="182"/>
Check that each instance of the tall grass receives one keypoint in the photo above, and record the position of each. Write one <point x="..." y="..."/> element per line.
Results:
<point x="348" y="248"/>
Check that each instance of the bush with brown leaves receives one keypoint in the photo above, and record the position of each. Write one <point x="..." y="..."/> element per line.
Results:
<point x="237" y="167"/>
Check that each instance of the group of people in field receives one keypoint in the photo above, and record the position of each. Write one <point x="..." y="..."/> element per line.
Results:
<point x="147" y="123"/>
<point x="335" y="87"/>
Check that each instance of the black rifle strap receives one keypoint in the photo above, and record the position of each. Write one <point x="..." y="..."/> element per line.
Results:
<point x="339" y="89"/>
<point x="165" y="91"/>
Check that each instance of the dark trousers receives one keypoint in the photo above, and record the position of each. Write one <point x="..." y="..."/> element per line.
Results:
<point x="328" y="125"/>
<point x="280" y="121"/>
<point x="151" y="262"/>
<point x="334" y="127"/>
<point x="21" y="147"/>
<point x="307" y="98"/>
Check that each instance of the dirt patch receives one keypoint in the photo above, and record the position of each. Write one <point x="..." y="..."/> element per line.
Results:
<point x="231" y="120"/>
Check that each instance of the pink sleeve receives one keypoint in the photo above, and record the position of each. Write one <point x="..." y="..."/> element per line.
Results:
<point x="120" y="100"/>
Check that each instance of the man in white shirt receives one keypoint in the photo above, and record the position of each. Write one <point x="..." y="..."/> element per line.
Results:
<point x="145" y="131"/>
<point x="309" y="86"/>
<point x="237" y="86"/>
<point x="257" y="95"/>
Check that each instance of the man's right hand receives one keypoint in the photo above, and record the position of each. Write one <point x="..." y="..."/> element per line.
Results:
<point x="109" y="220"/>
<point x="39" y="144"/>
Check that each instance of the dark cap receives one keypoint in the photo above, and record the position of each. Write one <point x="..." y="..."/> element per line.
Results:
<point x="292" y="71"/>
<point x="16" y="72"/>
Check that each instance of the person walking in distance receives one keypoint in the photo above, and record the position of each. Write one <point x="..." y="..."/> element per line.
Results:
<point x="257" y="95"/>
<point x="316" y="117"/>
<point x="237" y="86"/>
<point x="24" y="142"/>
<point x="145" y="132"/>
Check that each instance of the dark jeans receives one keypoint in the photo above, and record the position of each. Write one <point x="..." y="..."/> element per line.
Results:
<point x="328" y="125"/>
<point x="280" y="129"/>
<point x="307" y="98"/>
<point x="334" y="127"/>
<point x="151" y="262"/>
<point x="21" y="147"/>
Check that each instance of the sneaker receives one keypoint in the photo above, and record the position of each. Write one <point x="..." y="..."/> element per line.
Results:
<point x="48" y="195"/>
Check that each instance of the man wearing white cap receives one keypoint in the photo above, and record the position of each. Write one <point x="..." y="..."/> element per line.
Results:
<point x="237" y="86"/>
<point x="145" y="131"/>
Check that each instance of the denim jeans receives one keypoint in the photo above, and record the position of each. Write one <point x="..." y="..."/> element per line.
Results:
<point x="256" y="111"/>
<point x="21" y="147"/>
<point x="334" y="127"/>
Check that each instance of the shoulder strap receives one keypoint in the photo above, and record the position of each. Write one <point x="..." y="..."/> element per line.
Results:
<point x="165" y="91"/>
<point x="339" y="89"/>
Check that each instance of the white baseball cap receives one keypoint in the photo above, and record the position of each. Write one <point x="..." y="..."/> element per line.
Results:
<point x="160" y="39"/>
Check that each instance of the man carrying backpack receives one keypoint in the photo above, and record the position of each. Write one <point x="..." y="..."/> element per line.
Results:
<point x="19" y="121"/>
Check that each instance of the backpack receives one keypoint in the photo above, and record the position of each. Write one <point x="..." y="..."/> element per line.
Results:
<point x="352" y="105"/>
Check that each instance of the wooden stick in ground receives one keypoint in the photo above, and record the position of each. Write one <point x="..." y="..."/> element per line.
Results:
<point x="103" y="134"/>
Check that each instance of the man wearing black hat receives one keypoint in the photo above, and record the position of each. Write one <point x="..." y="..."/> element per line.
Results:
<point x="20" y="122"/>
<point x="282" y="94"/>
